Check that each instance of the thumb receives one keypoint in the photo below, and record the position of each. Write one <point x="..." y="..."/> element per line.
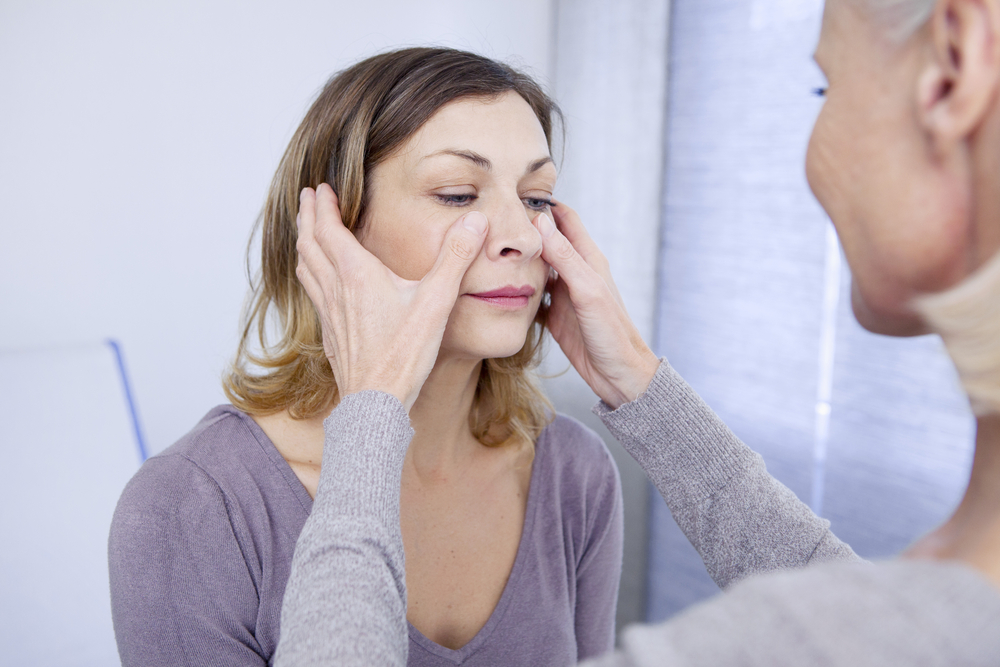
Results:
<point x="560" y="254"/>
<point x="461" y="246"/>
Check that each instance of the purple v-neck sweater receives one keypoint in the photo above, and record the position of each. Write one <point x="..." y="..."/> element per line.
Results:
<point x="201" y="549"/>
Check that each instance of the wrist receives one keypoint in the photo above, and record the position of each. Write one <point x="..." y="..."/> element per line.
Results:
<point x="637" y="378"/>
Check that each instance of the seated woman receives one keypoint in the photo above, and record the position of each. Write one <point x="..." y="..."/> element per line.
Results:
<point x="511" y="516"/>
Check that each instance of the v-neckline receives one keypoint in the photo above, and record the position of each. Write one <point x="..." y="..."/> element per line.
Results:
<point x="460" y="655"/>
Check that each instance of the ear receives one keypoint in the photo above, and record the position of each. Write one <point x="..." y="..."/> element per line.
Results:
<point x="958" y="85"/>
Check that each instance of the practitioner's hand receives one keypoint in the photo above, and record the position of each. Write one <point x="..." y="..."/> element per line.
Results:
<point x="379" y="331"/>
<point x="587" y="316"/>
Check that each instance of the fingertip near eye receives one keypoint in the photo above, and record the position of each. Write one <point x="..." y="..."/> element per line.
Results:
<point x="545" y="226"/>
<point x="476" y="222"/>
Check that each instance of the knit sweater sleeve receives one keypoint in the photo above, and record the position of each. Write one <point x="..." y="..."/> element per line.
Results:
<point x="345" y="603"/>
<point x="741" y="520"/>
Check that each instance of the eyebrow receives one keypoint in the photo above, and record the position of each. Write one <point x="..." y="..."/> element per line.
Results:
<point x="484" y="163"/>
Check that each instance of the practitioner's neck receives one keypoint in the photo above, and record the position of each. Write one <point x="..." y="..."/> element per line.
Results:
<point x="972" y="534"/>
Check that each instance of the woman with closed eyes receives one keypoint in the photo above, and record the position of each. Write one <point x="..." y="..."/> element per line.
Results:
<point x="511" y="516"/>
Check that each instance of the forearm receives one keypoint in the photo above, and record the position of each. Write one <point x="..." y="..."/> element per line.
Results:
<point x="740" y="519"/>
<point x="345" y="602"/>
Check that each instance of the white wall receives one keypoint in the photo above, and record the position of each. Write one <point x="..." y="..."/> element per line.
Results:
<point x="610" y="77"/>
<point x="136" y="144"/>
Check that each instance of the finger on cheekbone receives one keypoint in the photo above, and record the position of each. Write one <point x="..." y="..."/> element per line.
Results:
<point x="573" y="269"/>
<point x="464" y="241"/>
<point x="462" y="245"/>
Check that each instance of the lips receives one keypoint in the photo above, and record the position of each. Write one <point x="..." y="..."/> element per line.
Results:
<point x="508" y="298"/>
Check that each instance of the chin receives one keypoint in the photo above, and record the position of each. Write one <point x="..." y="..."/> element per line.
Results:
<point x="497" y="350"/>
<point x="496" y="342"/>
<point x="473" y="335"/>
<point x="885" y="323"/>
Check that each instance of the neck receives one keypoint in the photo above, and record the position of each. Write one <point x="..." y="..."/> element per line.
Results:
<point x="972" y="534"/>
<point x="443" y="440"/>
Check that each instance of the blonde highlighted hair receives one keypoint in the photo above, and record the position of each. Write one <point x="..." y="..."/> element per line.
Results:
<point x="361" y="117"/>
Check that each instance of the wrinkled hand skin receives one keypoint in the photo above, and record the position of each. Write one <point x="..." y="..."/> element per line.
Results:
<point x="380" y="332"/>
<point x="587" y="316"/>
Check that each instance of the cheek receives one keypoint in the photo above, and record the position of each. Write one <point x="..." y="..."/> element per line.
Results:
<point x="409" y="248"/>
<point x="831" y="163"/>
<point x="820" y="159"/>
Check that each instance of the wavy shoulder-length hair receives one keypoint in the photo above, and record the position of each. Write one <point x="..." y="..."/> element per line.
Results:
<point x="360" y="118"/>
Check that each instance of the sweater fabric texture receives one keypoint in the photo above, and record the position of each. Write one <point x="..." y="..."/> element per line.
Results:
<point x="793" y="593"/>
<point x="202" y="541"/>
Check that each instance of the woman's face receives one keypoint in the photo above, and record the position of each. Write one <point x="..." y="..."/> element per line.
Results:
<point x="901" y="213"/>
<point x="474" y="154"/>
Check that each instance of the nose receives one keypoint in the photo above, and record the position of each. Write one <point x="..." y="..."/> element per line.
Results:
<point x="512" y="237"/>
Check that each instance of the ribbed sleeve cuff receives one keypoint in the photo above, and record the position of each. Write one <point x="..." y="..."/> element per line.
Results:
<point x="687" y="451"/>
<point x="367" y="436"/>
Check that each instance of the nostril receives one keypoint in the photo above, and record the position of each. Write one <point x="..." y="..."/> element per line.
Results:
<point x="507" y="251"/>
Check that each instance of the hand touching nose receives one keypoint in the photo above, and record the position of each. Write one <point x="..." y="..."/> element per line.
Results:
<point x="587" y="316"/>
<point x="379" y="331"/>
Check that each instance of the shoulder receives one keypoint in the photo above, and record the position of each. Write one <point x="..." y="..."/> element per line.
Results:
<point x="196" y="546"/>
<point x="183" y="475"/>
<point x="895" y="612"/>
<point x="575" y="451"/>
<point x="215" y="467"/>
<point x="222" y="436"/>
<point x="578" y="470"/>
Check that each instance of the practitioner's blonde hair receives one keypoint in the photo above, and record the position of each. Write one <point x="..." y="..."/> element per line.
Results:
<point x="361" y="117"/>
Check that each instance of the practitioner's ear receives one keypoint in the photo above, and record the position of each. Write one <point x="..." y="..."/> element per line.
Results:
<point x="958" y="85"/>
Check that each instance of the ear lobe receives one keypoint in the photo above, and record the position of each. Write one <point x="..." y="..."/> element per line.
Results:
<point x="958" y="87"/>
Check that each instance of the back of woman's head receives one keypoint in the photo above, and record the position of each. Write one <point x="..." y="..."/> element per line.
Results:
<point x="360" y="118"/>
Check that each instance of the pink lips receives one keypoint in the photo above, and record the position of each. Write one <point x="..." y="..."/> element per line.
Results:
<point x="508" y="298"/>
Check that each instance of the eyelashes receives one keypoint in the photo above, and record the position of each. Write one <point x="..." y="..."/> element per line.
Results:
<point x="456" y="200"/>
<point x="537" y="203"/>
<point x="819" y="92"/>
<point x="534" y="203"/>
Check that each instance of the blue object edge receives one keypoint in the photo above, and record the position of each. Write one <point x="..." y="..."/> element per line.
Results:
<point x="140" y="440"/>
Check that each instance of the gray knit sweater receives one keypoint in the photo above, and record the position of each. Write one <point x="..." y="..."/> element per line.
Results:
<point x="795" y="594"/>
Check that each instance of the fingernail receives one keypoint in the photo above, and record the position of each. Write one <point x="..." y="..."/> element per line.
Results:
<point x="545" y="225"/>
<point x="476" y="222"/>
<point x="298" y="218"/>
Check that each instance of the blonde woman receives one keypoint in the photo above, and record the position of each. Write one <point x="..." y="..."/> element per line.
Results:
<point x="511" y="516"/>
<point x="905" y="157"/>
